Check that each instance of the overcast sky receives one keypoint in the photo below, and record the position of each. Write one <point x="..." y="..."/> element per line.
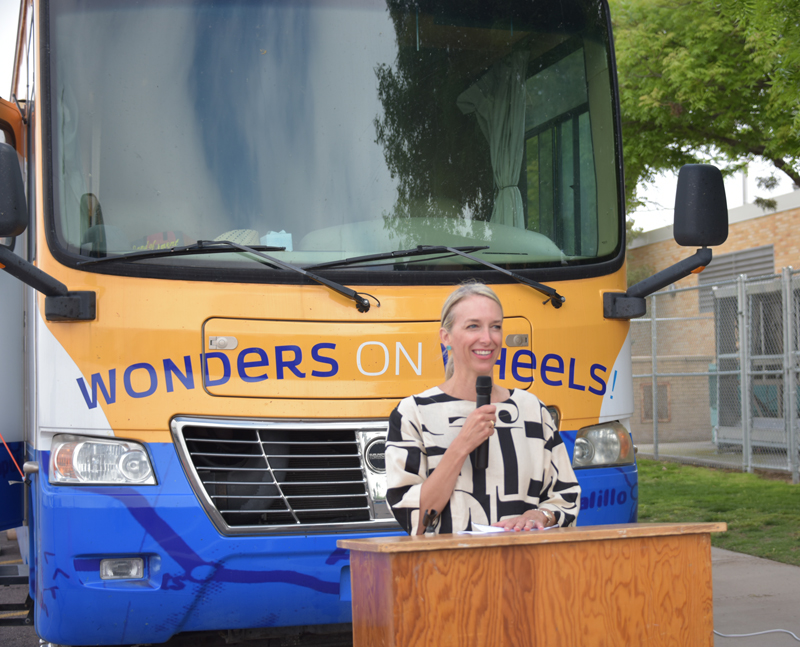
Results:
<point x="660" y="197"/>
<point x="9" y="13"/>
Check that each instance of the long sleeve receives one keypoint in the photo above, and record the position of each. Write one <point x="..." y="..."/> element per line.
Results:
<point x="406" y="464"/>
<point x="560" y="490"/>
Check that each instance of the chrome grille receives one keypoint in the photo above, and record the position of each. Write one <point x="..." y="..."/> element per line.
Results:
<point x="258" y="475"/>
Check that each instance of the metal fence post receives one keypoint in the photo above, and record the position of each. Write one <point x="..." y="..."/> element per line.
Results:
<point x="789" y="379"/>
<point x="744" y="371"/>
<point x="653" y="370"/>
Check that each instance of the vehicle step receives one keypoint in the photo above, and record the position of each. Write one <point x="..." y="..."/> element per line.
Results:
<point x="7" y="619"/>
<point x="11" y="574"/>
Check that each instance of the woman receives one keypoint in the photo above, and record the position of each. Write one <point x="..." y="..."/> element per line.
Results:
<point x="529" y="482"/>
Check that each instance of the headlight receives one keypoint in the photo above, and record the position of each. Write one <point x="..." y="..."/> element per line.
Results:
<point x="94" y="461"/>
<point x="603" y="445"/>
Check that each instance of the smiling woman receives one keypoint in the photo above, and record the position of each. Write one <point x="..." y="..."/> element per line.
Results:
<point x="528" y="484"/>
<point x="478" y="336"/>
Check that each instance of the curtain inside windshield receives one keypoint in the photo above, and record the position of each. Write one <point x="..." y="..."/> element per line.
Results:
<point x="333" y="129"/>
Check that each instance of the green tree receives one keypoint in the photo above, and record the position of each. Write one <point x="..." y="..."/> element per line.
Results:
<point x="639" y="273"/>
<point x="707" y="79"/>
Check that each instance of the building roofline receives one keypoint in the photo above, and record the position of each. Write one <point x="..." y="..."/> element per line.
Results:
<point x="784" y="202"/>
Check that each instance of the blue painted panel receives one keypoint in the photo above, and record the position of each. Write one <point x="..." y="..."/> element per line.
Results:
<point x="11" y="487"/>
<point x="196" y="579"/>
<point x="608" y="495"/>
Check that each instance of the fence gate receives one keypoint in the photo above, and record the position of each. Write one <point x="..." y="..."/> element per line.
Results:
<point x="715" y="373"/>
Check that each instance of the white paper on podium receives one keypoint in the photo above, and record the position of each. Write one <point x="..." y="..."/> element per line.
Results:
<point x="480" y="529"/>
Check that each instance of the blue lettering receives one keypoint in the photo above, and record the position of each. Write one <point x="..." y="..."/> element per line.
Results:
<point x="153" y="380"/>
<point x="604" y="498"/>
<point x="226" y="368"/>
<point x="501" y="362"/>
<point x="170" y="369"/>
<point x="281" y="363"/>
<point x="547" y="368"/>
<point x="110" y="394"/>
<point x="518" y="363"/>
<point x="444" y="355"/>
<point x="243" y="365"/>
<point x="572" y="383"/>
<point x="325" y="360"/>
<point x="597" y="379"/>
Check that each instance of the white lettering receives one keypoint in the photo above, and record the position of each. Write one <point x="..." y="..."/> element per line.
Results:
<point x="417" y="367"/>
<point x="385" y="354"/>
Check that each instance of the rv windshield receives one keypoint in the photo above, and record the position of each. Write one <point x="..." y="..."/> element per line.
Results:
<point x="333" y="129"/>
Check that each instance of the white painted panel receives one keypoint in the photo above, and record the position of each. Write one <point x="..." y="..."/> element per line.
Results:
<point x="60" y="405"/>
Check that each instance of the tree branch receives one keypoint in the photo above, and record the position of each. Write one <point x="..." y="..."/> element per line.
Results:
<point x="784" y="166"/>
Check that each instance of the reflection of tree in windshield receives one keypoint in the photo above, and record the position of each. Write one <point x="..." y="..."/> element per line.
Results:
<point x="438" y="154"/>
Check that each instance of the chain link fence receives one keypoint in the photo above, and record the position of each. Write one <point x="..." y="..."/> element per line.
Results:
<point x="716" y="376"/>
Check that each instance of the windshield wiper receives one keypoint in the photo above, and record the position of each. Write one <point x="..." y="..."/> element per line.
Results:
<point x="213" y="246"/>
<point x="200" y="247"/>
<point x="419" y="250"/>
<point x="554" y="297"/>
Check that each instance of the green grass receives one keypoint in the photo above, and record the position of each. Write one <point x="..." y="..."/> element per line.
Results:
<point x="763" y="515"/>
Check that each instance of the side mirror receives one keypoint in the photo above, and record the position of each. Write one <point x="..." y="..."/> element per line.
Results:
<point x="701" y="220"/>
<point x="13" y="206"/>
<point x="701" y="210"/>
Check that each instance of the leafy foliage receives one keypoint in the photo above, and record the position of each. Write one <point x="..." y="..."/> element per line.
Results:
<point x="639" y="273"/>
<point x="707" y="80"/>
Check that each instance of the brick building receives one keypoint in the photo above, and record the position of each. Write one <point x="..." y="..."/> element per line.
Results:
<point x="759" y="243"/>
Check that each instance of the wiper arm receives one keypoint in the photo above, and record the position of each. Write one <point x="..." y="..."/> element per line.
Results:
<point x="554" y="297"/>
<point x="206" y="246"/>
<point x="200" y="247"/>
<point x="419" y="250"/>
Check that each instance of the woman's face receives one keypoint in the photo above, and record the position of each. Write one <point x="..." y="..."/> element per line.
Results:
<point x="475" y="337"/>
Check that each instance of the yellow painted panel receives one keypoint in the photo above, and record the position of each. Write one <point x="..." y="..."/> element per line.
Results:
<point x="309" y="359"/>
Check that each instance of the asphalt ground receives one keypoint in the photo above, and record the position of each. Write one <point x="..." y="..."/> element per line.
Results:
<point x="14" y="636"/>
<point x="751" y="595"/>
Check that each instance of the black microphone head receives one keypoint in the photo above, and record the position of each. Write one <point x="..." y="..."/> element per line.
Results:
<point x="483" y="385"/>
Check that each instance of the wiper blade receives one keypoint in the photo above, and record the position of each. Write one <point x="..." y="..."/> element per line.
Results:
<point x="200" y="247"/>
<point x="419" y="250"/>
<point x="205" y="246"/>
<point x="554" y="297"/>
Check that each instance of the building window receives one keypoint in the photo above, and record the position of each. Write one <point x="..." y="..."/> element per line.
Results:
<point x="663" y="403"/>
<point x="757" y="261"/>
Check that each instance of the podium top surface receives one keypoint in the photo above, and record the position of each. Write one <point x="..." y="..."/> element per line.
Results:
<point x="421" y="543"/>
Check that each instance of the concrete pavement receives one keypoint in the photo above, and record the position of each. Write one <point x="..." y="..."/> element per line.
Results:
<point x="751" y="595"/>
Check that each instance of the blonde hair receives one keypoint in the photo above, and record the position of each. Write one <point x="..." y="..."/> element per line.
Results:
<point x="464" y="291"/>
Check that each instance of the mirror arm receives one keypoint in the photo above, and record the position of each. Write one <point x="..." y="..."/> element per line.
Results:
<point x="631" y="304"/>
<point x="60" y="303"/>
<point x="682" y="269"/>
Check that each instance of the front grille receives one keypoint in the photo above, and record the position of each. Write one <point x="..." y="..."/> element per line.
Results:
<point x="260" y="474"/>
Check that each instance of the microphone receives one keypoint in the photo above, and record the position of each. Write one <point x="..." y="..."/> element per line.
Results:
<point x="483" y="387"/>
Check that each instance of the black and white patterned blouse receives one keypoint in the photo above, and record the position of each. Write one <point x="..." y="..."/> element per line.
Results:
<point x="528" y="463"/>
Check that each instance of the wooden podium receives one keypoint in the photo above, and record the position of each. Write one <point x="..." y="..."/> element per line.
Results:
<point x="631" y="584"/>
